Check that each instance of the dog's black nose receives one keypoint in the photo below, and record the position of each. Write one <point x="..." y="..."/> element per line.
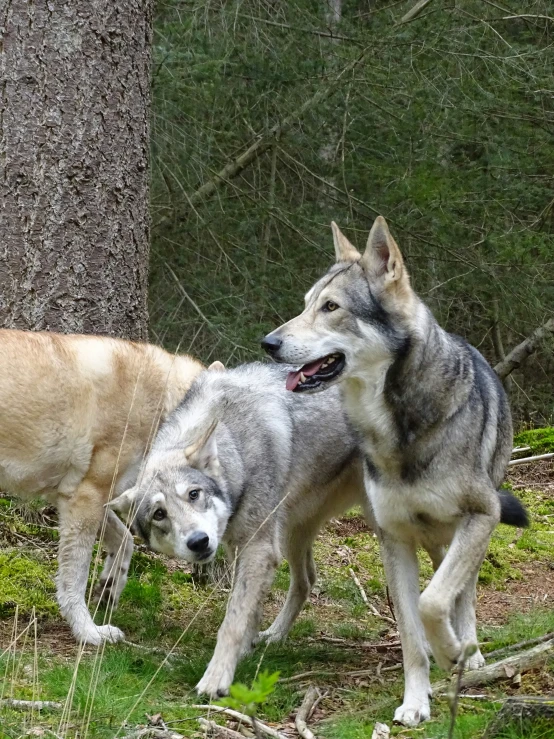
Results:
<point x="271" y="343"/>
<point x="198" y="542"/>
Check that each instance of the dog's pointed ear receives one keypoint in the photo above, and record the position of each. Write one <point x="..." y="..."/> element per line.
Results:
<point x="216" y="366"/>
<point x="344" y="250"/>
<point x="202" y="454"/>
<point x="382" y="259"/>
<point x="124" y="502"/>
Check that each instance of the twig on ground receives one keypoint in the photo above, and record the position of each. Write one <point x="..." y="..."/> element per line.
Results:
<point x="378" y="647"/>
<point x="502" y="669"/>
<point x="352" y="673"/>
<point x="264" y="728"/>
<point x="30" y="705"/>
<point x="301" y="719"/>
<point x="366" y="599"/>
<point x="151" y="650"/>
<point x="521" y="645"/>
<point x="218" y="729"/>
<point x="525" y="460"/>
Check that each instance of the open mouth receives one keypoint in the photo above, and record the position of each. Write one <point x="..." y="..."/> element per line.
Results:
<point x="314" y="374"/>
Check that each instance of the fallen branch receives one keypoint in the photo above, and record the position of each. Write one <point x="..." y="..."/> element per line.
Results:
<point x="312" y="694"/>
<point x="218" y="729"/>
<point x="31" y="705"/>
<point x="525" y="460"/>
<point x="520" y="645"/>
<point x="504" y="668"/>
<point x="522" y="351"/>
<point x="517" y="449"/>
<point x="366" y="599"/>
<point x="378" y="646"/>
<point x="264" y="728"/>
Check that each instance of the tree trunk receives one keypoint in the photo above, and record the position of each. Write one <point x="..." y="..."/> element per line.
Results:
<point x="74" y="138"/>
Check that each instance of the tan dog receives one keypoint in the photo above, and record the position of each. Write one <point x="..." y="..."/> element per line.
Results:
<point x="78" y="414"/>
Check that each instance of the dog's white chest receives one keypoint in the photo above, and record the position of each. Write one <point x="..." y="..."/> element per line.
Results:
<point x="421" y="512"/>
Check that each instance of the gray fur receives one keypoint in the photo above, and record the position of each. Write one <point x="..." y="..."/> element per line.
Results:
<point x="275" y="468"/>
<point x="435" y="423"/>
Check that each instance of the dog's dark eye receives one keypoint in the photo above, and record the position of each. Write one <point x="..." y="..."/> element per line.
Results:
<point x="193" y="494"/>
<point x="159" y="514"/>
<point x="329" y="306"/>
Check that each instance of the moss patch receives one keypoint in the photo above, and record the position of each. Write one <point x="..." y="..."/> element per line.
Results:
<point x="541" y="441"/>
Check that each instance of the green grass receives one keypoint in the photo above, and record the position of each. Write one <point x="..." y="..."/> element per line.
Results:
<point x="162" y="603"/>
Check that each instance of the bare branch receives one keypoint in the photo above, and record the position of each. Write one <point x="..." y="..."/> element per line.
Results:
<point x="522" y="351"/>
<point x="31" y="705"/>
<point x="301" y="720"/>
<point x="264" y="141"/>
<point x="264" y="728"/>
<point x="414" y="12"/>
<point x="502" y="669"/>
<point x="525" y="460"/>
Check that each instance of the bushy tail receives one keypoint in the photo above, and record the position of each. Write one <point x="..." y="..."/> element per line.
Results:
<point x="512" y="510"/>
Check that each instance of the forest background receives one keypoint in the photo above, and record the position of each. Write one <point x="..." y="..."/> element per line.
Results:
<point x="270" y="119"/>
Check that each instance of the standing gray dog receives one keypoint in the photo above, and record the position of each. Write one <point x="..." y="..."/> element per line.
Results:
<point x="244" y="462"/>
<point x="435" y="423"/>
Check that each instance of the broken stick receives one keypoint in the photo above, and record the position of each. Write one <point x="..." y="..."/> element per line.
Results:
<point x="301" y="720"/>
<point x="504" y="668"/>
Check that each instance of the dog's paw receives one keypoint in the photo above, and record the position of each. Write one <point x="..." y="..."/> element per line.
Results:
<point x="215" y="682"/>
<point x="412" y="713"/>
<point x="476" y="661"/>
<point x="269" y="636"/>
<point x="95" y="635"/>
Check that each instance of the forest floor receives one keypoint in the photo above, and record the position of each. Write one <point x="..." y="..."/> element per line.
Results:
<point x="116" y="688"/>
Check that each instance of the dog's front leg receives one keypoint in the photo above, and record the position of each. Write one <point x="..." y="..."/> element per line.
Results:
<point x="254" y="574"/>
<point x="456" y="574"/>
<point x="119" y="546"/>
<point x="401" y="570"/>
<point x="80" y="517"/>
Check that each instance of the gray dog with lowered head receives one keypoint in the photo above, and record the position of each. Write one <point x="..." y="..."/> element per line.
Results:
<point x="244" y="462"/>
<point x="435" y="426"/>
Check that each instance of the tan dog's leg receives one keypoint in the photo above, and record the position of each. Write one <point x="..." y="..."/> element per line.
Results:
<point x="80" y="518"/>
<point x="119" y="546"/>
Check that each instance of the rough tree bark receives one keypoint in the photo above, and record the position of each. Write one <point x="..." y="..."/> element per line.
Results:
<point x="74" y="137"/>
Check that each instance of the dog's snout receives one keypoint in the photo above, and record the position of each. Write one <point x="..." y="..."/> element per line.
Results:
<point x="198" y="542"/>
<point x="271" y="343"/>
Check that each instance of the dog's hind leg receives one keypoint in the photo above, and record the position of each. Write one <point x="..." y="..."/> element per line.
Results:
<point x="255" y="571"/>
<point x="119" y="546"/>
<point x="80" y="517"/>
<point x="302" y="579"/>
<point x="456" y="574"/>
<point x="401" y="570"/>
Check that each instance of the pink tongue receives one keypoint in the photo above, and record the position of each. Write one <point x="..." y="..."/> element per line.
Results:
<point x="308" y="369"/>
